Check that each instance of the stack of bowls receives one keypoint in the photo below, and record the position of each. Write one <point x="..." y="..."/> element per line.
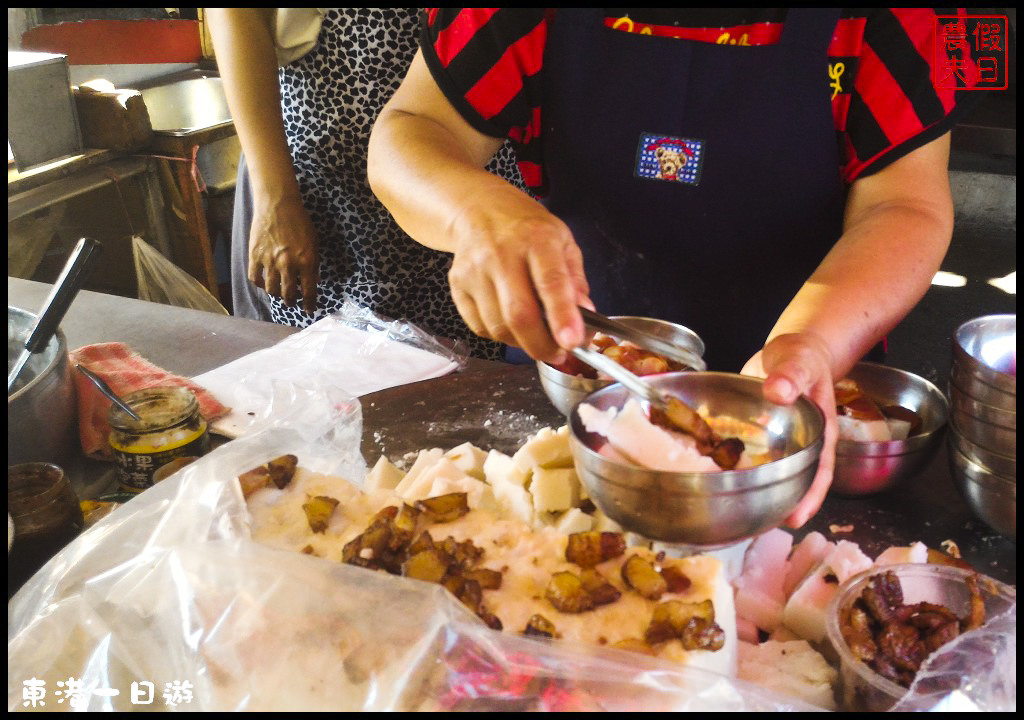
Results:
<point x="983" y="419"/>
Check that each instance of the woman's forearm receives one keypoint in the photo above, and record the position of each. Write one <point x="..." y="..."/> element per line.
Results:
<point x="896" y="232"/>
<point x="247" y="60"/>
<point x="426" y="164"/>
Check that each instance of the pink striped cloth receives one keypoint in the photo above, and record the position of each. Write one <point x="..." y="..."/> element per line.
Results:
<point x="125" y="372"/>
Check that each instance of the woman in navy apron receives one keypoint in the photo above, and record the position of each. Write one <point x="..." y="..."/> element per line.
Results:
<point x="759" y="179"/>
<point x="690" y="181"/>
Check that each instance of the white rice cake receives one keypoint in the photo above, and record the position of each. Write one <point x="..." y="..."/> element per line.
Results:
<point x="527" y="559"/>
<point x="805" y="610"/>
<point x="547" y="448"/>
<point x="468" y="458"/>
<point x="793" y="669"/>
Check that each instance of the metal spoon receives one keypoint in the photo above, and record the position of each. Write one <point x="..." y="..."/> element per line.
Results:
<point x="680" y="415"/>
<point x="76" y="270"/>
<point x="102" y="386"/>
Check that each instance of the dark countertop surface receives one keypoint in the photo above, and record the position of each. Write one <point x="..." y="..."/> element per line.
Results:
<point x="498" y="406"/>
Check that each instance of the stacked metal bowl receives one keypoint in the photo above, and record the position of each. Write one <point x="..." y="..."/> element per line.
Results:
<point x="983" y="419"/>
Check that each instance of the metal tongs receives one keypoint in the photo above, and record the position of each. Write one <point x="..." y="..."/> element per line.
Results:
<point x="649" y="341"/>
<point x="664" y="408"/>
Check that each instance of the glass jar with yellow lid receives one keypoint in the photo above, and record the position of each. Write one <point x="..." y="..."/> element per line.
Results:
<point x="169" y="427"/>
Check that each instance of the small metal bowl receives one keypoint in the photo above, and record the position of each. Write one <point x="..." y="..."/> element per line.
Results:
<point x="863" y="468"/>
<point x="861" y="688"/>
<point x="961" y="378"/>
<point x="992" y="499"/>
<point x="1004" y="465"/>
<point x="565" y="390"/>
<point x="987" y="347"/>
<point x="705" y="509"/>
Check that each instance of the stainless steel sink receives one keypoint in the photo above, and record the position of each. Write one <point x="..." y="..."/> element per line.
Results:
<point x="186" y="102"/>
<point x="191" y="105"/>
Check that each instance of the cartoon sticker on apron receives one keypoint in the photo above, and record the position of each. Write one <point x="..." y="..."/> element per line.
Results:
<point x="673" y="159"/>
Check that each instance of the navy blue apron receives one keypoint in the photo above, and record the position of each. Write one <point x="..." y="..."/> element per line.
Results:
<point x="700" y="180"/>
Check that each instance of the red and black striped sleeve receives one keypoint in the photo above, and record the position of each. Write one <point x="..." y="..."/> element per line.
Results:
<point x="488" y="62"/>
<point x="896" y="105"/>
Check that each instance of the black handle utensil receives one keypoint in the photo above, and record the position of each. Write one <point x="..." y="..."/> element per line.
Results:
<point x="76" y="272"/>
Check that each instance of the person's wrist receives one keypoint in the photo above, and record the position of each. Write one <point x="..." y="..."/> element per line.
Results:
<point x="810" y="341"/>
<point x="276" y="198"/>
<point x="470" y="220"/>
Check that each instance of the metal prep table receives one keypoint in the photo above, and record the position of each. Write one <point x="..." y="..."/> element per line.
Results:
<point x="496" y="405"/>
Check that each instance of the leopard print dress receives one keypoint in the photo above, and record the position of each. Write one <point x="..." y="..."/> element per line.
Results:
<point x="330" y="100"/>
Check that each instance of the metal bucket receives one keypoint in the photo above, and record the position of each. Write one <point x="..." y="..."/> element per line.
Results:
<point x="42" y="423"/>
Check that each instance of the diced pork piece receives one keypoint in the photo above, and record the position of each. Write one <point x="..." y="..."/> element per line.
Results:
<point x="847" y="560"/>
<point x="898" y="429"/>
<point x="597" y="421"/>
<point x="863" y="430"/>
<point x="611" y="453"/>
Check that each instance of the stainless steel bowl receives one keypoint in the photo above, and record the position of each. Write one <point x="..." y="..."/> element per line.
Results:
<point x="863" y="468"/>
<point x="861" y="688"/>
<point x="708" y="509"/>
<point x="42" y="425"/>
<point x="992" y="499"/>
<point x="964" y="403"/>
<point x="987" y="347"/>
<point x="565" y="390"/>
<point x="1004" y="465"/>
<point x="961" y="378"/>
<point x="989" y="436"/>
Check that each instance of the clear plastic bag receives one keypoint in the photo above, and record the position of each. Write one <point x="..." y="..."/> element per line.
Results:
<point x="161" y="281"/>
<point x="169" y="590"/>
<point x="168" y="604"/>
<point x="168" y="599"/>
<point x="976" y="671"/>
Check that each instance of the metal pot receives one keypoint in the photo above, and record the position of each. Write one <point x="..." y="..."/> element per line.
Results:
<point x="42" y="422"/>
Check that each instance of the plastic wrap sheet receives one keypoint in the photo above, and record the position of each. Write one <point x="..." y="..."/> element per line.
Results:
<point x="168" y="599"/>
<point x="976" y="671"/>
<point x="352" y="349"/>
